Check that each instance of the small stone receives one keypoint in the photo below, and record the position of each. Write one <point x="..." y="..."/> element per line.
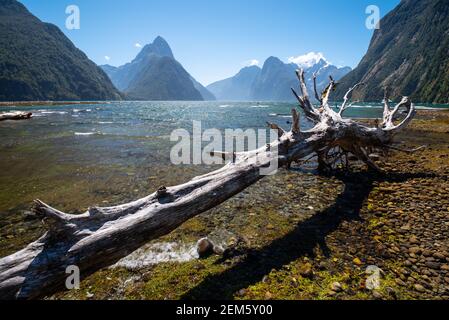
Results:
<point x="89" y="295"/>
<point x="266" y="279"/>
<point x="219" y="250"/>
<point x="270" y="227"/>
<point x="427" y="253"/>
<point x="357" y="261"/>
<point x="439" y="256"/>
<point x="415" y="250"/>
<point x="445" y="267"/>
<point x="391" y="292"/>
<point x="413" y="240"/>
<point x="336" y="287"/>
<point x="400" y="282"/>
<point x="268" y="295"/>
<point x="433" y="265"/>
<point x="419" y="288"/>
<point x="322" y="265"/>
<point x="377" y="295"/>
<point x="306" y="271"/>
<point x="205" y="248"/>
<point x="241" y="292"/>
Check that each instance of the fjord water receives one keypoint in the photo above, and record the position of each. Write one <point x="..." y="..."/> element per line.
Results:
<point x="103" y="154"/>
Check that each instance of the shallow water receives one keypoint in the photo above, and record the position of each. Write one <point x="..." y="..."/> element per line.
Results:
<point x="77" y="156"/>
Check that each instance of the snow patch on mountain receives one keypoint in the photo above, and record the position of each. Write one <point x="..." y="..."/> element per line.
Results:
<point x="308" y="60"/>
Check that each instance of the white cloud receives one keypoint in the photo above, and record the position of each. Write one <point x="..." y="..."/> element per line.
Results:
<point x="307" y="60"/>
<point x="138" y="45"/>
<point x="107" y="58"/>
<point x="252" y="62"/>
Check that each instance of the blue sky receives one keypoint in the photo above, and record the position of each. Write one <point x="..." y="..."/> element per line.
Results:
<point x="214" y="39"/>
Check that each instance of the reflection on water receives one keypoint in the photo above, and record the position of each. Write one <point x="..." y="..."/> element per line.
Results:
<point x="103" y="154"/>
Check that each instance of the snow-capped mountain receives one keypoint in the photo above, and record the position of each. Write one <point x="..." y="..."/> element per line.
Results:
<point x="274" y="80"/>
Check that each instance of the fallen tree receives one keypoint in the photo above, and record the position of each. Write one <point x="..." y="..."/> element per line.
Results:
<point x="101" y="236"/>
<point x="17" y="115"/>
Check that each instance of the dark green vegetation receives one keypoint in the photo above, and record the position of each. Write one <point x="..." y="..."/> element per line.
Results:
<point x="38" y="62"/>
<point x="409" y="54"/>
<point x="155" y="75"/>
<point x="273" y="81"/>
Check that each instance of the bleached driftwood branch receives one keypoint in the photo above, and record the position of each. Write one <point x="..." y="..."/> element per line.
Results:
<point x="102" y="236"/>
<point x="18" y="115"/>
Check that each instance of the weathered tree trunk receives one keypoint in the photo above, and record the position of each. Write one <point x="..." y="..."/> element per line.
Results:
<point x="101" y="236"/>
<point x="19" y="115"/>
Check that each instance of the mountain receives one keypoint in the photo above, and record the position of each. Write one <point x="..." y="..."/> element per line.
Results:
<point x="154" y="74"/>
<point x="409" y="54"/>
<point x="123" y="75"/>
<point x="162" y="79"/>
<point x="238" y="87"/>
<point x="323" y="70"/>
<point x="206" y="94"/>
<point x="38" y="62"/>
<point x="274" y="80"/>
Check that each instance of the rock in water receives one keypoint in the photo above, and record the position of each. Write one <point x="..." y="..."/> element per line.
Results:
<point x="205" y="248"/>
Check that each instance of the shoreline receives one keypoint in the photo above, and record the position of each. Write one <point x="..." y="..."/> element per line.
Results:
<point x="46" y="103"/>
<point x="419" y="105"/>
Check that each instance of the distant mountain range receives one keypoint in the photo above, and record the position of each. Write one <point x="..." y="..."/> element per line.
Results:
<point x="155" y="75"/>
<point x="274" y="80"/>
<point x="38" y="62"/>
<point x="409" y="54"/>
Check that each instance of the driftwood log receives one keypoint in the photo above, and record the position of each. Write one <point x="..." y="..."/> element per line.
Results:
<point x="18" y="115"/>
<point x="101" y="236"/>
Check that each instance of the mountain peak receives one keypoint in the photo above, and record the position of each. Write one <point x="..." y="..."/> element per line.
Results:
<point x="159" y="47"/>
<point x="13" y="7"/>
<point x="272" y="61"/>
<point x="160" y="41"/>
<point x="308" y="60"/>
<point x="247" y="68"/>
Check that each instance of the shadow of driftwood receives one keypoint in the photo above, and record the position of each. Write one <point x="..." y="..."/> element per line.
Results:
<point x="300" y="242"/>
